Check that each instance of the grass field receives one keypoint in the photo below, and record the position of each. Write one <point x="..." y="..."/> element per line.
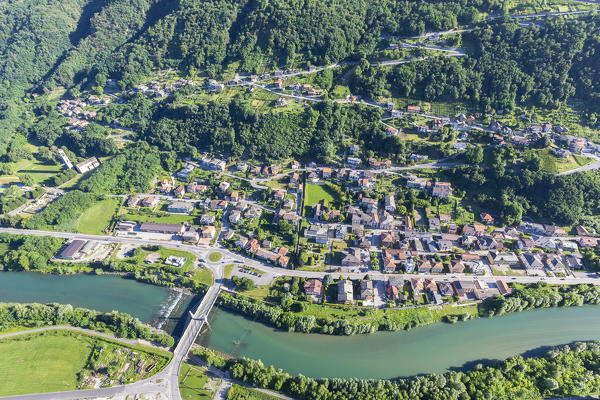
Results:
<point x="228" y="270"/>
<point x="45" y="363"/>
<point x="52" y="361"/>
<point x="192" y="382"/>
<point x="238" y="392"/>
<point x="315" y="193"/>
<point x="96" y="218"/>
<point x="215" y="256"/>
<point x="204" y="276"/>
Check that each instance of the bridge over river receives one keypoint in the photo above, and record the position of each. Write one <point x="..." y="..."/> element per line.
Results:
<point x="165" y="382"/>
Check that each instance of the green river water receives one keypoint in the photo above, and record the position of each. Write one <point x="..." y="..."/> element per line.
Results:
<point x="433" y="348"/>
<point x="158" y="306"/>
<point x="430" y="349"/>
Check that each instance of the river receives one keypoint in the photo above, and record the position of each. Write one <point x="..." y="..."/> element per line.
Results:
<point x="434" y="348"/>
<point x="160" y="307"/>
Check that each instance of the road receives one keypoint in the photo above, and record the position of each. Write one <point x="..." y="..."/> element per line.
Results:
<point x="589" y="167"/>
<point x="232" y="257"/>
<point x="129" y="342"/>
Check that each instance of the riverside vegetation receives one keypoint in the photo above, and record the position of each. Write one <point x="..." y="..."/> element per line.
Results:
<point x="298" y="317"/>
<point x="35" y="315"/>
<point x="560" y="372"/>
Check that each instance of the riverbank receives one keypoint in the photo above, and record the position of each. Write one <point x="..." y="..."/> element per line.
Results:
<point x="306" y="317"/>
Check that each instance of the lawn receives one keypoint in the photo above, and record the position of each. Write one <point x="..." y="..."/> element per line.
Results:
<point x="38" y="170"/>
<point x="96" y="218"/>
<point x="228" y="270"/>
<point x="315" y="193"/>
<point x="192" y="381"/>
<point x="204" y="276"/>
<point x="215" y="256"/>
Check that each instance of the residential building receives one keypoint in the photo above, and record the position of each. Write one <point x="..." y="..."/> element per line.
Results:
<point x="313" y="287"/>
<point x="182" y="207"/>
<point x="150" y="202"/>
<point x="367" y="294"/>
<point x="156" y="227"/>
<point x="442" y="189"/>
<point x="345" y="292"/>
<point x="87" y="165"/>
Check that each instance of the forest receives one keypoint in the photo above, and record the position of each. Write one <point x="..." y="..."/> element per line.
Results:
<point x="35" y="315"/>
<point x="561" y="372"/>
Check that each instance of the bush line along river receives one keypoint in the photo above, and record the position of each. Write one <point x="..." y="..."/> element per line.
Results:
<point x="429" y="349"/>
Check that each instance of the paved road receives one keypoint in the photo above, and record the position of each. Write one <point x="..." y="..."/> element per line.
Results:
<point x="589" y="167"/>
<point x="130" y="342"/>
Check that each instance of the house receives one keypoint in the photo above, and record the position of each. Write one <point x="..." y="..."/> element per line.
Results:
<point x="190" y="236"/>
<point x="235" y="216"/>
<point x="486" y="218"/>
<point x="525" y="244"/>
<point x="531" y="261"/>
<point x="457" y="266"/>
<point x="253" y="212"/>
<point x="586" y="241"/>
<point x="150" y="202"/>
<point x="390" y="203"/>
<point x="555" y="263"/>
<point x="319" y="233"/>
<point x="552" y="230"/>
<point x="446" y="289"/>
<point x="413" y="109"/>
<point x="434" y="224"/>
<point x="179" y="191"/>
<point x="241" y="166"/>
<point x="182" y="207"/>
<point x="241" y="242"/>
<point x="353" y="161"/>
<point x="546" y="242"/>
<point x="326" y="172"/>
<point x="345" y="294"/>
<point x="208" y="231"/>
<point x="425" y="267"/>
<point x="279" y="195"/>
<point x="442" y="189"/>
<point x="87" y="165"/>
<point x="464" y="289"/>
<point x="445" y="218"/>
<point x="406" y="222"/>
<point x="313" y="287"/>
<point x="582" y="231"/>
<point x="510" y="258"/>
<point x="391" y="131"/>
<point x="156" y="227"/>
<point x="488" y="243"/>
<point x="352" y="258"/>
<point x="288" y="204"/>
<point x="393" y="288"/>
<point x="294" y="164"/>
<point x="367" y="294"/>
<point x="207" y="219"/>
<point x="418" y="289"/>
<point x="223" y="186"/>
<point x="423" y="129"/>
